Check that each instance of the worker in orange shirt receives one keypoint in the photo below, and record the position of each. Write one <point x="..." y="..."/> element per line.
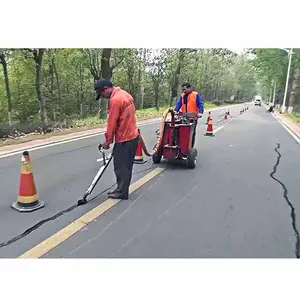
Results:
<point x="121" y="129"/>
<point x="190" y="102"/>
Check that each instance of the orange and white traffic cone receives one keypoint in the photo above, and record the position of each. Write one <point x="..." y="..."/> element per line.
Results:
<point x="209" y="129"/>
<point x="28" y="199"/>
<point x="208" y="117"/>
<point x="139" y="159"/>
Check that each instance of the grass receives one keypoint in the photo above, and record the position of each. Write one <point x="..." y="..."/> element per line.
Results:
<point x="141" y="114"/>
<point x="94" y="122"/>
<point x="294" y="117"/>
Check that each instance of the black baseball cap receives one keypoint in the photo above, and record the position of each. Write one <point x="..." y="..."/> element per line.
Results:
<point x="100" y="85"/>
<point x="186" y="85"/>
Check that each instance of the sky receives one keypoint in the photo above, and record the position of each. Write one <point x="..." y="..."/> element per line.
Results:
<point x="237" y="50"/>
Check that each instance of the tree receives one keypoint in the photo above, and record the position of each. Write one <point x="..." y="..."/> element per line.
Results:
<point x="3" y="55"/>
<point x="101" y="67"/>
<point x="156" y="70"/>
<point x="56" y="85"/>
<point x="271" y="66"/>
<point x="37" y="56"/>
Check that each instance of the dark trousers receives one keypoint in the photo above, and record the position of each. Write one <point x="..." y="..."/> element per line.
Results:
<point x="124" y="154"/>
<point x="194" y="133"/>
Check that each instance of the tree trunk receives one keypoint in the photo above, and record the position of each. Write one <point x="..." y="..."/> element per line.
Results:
<point x="144" y="55"/>
<point x="130" y="76"/>
<point x="139" y="93"/>
<point x="81" y="91"/>
<point x="8" y="93"/>
<point x="106" y="72"/>
<point x="174" y="89"/>
<point x="156" y="92"/>
<point x="294" y="87"/>
<point x="51" y="71"/>
<point x="57" y="80"/>
<point x="216" y="91"/>
<point x="38" y="58"/>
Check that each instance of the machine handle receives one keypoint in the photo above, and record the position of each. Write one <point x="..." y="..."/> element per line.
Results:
<point x="190" y="115"/>
<point x="103" y="154"/>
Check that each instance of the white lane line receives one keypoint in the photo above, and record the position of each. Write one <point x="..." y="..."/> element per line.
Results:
<point x="62" y="142"/>
<point x="219" y="128"/>
<point x="85" y="137"/>
<point x="287" y="129"/>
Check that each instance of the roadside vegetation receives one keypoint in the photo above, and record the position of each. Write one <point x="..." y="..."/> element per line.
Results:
<point x="50" y="91"/>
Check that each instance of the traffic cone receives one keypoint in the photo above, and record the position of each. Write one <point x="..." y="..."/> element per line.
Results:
<point x="138" y="159"/>
<point x="28" y="199"/>
<point x="209" y="129"/>
<point x="208" y="117"/>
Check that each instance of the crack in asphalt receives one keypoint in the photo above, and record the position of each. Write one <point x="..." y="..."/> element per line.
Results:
<point x="285" y="195"/>
<point x="59" y="214"/>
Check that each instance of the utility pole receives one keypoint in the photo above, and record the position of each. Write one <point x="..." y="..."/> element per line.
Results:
<point x="290" y="53"/>
<point x="274" y="94"/>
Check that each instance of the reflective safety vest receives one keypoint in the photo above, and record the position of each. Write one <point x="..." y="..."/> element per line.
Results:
<point x="191" y="103"/>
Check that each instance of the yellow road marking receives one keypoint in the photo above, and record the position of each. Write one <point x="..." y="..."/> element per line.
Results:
<point x="62" y="235"/>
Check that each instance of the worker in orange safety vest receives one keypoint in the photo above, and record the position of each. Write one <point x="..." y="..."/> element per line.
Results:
<point x="190" y="102"/>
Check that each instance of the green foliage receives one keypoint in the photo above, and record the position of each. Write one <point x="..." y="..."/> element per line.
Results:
<point x="294" y="117"/>
<point x="271" y="66"/>
<point x="150" y="75"/>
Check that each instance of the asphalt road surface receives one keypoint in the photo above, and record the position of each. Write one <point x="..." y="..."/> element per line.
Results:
<point x="229" y="206"/>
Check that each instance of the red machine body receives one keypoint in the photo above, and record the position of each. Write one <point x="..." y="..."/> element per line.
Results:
<point x="177" y="140"/>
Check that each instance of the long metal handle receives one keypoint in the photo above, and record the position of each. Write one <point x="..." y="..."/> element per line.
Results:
<point x="106" y="161"/>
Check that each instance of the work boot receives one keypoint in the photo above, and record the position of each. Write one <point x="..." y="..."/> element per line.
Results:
<point x="116" y="190"/>
<point x="118" y="196"/>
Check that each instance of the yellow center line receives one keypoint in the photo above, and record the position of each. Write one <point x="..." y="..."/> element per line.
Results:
<point x="62" y="235"/>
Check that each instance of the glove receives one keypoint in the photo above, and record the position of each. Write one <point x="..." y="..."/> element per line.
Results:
<point x="103" y="146"/>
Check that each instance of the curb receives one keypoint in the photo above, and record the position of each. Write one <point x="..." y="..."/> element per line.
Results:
<point x="284" y="123"/>
<point x="287" y="124"/>
<point x="65" y="140"/>
<point x="84" y="136"/>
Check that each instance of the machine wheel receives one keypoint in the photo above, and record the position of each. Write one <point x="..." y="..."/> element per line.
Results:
<point x="192" y="159"/>
<point x="156" y="158"/>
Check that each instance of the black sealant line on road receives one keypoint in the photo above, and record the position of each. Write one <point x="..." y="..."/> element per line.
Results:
<point x="40" y="223"/>
<point x="285" y="195"/>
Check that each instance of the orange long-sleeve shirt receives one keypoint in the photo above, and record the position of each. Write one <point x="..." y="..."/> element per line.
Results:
<point x="121" y="125"/>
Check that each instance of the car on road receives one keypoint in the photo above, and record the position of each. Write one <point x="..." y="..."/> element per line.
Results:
<point x="257" y="102"/>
